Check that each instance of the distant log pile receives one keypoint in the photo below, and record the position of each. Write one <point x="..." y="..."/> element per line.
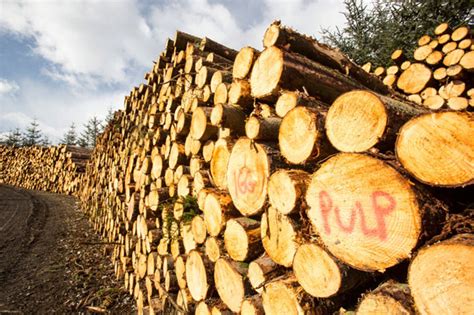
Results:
<point x="439" y="74"/>
<point x="57" y="169"/>
<point x="283" y="181"/>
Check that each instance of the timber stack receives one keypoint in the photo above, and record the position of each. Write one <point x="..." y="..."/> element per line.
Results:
<point x="439" y="74"/>
<point x="57" y="169"/>
<point x="283" y="181"/>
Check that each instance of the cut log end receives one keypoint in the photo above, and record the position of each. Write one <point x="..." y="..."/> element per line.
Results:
<point x="365" y="212"/>
<point x="229" y="284"/>
<point x="356" y="121"/>
<point x="441" y="277"/>
<point x="196" y="276"/>
<point x="414" y="79"/>
<point x="428" y="145"/>
<point x="266" y="73"/>
<point x="247" y="176"/>
<point x="299" y="134"/>
<point x="316" y="271"/>
<point x="243" y="62"/>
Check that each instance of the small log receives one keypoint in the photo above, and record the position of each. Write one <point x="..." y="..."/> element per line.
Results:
<point x="198" y="275"/>
<point x="228" y="277"/>
<point x="262" y="129"/>
<point x="376" y="118"/>
<point x="262" y="270"/>
<point x="279" y="235"/>
<point x="243" y="62"/>
<point x="286" y="190"/>
<point x="388" y="298"/>
<point x="242" y="239"/>
<point x="322" y="275"/>
<point x="209" y="45"/>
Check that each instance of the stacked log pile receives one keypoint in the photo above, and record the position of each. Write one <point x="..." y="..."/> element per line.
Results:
<point x="58" y="169"/>
<point x="439" y="74"/>
<point x="283" y="181"/>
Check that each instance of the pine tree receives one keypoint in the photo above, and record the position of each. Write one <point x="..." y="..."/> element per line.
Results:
<point x="373" y="34"/>
<point x="45" y="142"/>
<point x="92" y="129"/>
<point x="14" y="138"/>
<point x="70" y="137"/>
<point x="110" y="115"/>
<point x="33" y="135"/>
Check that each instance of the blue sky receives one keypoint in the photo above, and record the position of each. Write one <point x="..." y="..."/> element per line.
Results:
<point x="66" y="61"/>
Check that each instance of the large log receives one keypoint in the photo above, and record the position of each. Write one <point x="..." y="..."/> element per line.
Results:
<point x="284" y="37"/>
<point x="367" y="214"/>
<point x="441" y="278"/>
<point x="277" y="69"/>
<point x="377" y="120"/>
<point x="428" y="145"/>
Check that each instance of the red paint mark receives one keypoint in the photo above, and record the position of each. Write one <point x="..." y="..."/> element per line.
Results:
<point x="380" y="212"/>
<point x="244" y="181"/>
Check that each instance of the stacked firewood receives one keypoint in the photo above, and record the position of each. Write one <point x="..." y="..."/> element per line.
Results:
<point x="267" y="182"/>
<point x="283" y="181"/>
<point x="57" y="169"/>
<point x="439" y="74"/>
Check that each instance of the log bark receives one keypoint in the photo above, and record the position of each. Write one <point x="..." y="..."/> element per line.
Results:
<point x="265" y="129"/>
<point x="209" y="45"/>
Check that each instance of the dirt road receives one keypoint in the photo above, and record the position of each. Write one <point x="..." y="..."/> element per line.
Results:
<point x="51" y="261"/>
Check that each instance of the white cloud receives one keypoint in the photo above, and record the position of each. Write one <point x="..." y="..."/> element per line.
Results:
<point x="55" y="109"/>
<point x="90" y="39"/>
<point x="8" y="87"/>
